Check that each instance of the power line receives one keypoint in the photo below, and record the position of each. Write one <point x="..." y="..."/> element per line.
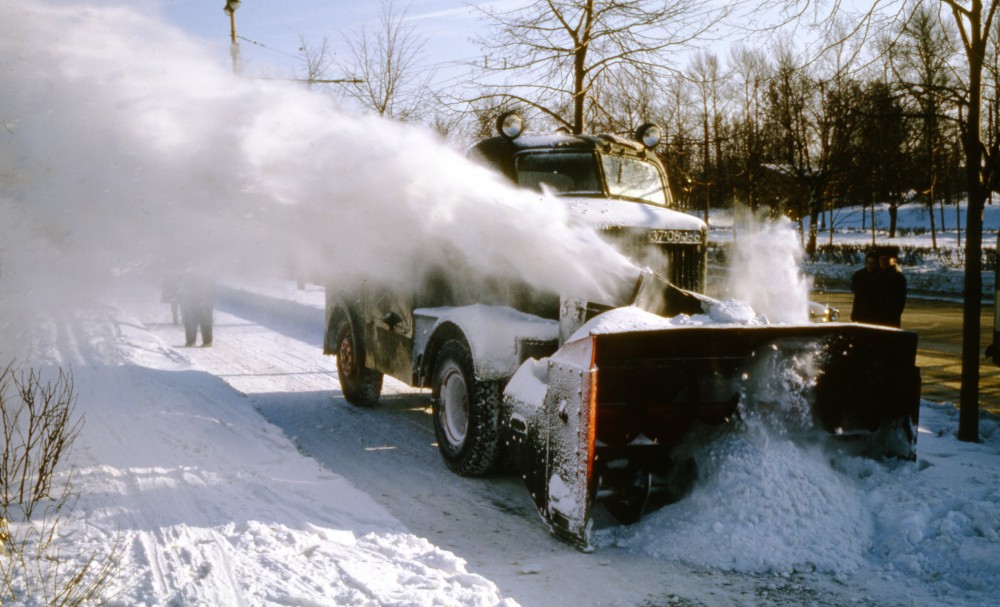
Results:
<point x="270" y="48"/>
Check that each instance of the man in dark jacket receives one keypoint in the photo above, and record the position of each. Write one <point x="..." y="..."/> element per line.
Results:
<point x="891" y="289"/>
<point x="864" y="285"/>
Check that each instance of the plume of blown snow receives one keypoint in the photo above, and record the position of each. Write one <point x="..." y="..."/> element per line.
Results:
<point x="124" y="150"/>
<point x="765" y="271"/>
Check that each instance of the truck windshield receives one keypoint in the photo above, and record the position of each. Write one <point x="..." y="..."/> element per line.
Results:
<point x="564" y="172"/>
<point x="634" y="178"/>
<point x="577" y="173"/>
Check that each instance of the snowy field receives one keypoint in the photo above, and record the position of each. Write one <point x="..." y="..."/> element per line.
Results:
<point x="238" y="475"/>
<point x="938" y="275"/>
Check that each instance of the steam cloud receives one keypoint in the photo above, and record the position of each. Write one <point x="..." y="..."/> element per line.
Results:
<point x="765" y="271"/>
<point x="125" y="150"/>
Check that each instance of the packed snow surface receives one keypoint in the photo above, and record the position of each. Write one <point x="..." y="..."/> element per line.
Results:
<point x="215" y="505"/>
<point x="719" y="315"/>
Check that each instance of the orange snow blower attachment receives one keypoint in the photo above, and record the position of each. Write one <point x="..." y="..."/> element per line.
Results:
<point x="601" y="420"/>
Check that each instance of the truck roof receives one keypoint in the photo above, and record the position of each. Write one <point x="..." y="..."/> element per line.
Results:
<point x="500" y="151"/>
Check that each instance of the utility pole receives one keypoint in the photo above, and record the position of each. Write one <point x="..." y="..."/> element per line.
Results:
<point x="234" y="46"/>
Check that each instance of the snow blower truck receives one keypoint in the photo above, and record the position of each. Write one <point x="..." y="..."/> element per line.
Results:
<point x="593" y="401"/>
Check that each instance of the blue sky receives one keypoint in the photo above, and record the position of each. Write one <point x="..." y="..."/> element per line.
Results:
<point x="270" y="30"/>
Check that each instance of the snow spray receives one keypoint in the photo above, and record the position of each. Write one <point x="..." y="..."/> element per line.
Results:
<point x="125" y="150"/>
<point x="764" y="501"/>
<point x="765" y="271"/>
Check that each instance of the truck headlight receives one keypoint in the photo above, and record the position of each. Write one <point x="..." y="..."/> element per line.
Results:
<point x="510" y="125"/>
<point x="649" y="134"/>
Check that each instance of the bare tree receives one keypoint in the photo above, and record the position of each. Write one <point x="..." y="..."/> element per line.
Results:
<point x="974" y="20"/>
<point x="623" y="101"/>
<point x="880" y="157"/>
<point x="385" y="64"/>
<point x="922" y="60"/>
<point x="974" y="23"/>
<point x="317" y="60"/>
<point x="813" y="123"/>
<point x="553" y="55"/>
<point x="752" y="72"/>
<point x="678" y="157"/>
<point x="706" y="74"/>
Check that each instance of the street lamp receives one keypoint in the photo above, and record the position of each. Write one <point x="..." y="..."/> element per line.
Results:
<point x="234" y="46"/>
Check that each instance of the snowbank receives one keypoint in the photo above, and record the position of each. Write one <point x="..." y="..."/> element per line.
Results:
<point x="211" y="504"/>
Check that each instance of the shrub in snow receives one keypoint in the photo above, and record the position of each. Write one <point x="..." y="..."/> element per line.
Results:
<point x="38" y="427"/>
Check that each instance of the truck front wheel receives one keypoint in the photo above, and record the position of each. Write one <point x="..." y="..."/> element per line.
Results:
<point x="360" y="386"/>
<point x="465" y="412"/>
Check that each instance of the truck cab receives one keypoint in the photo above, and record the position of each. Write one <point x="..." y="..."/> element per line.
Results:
<point x="616" y="184"/>
<point x="464" y="335"/>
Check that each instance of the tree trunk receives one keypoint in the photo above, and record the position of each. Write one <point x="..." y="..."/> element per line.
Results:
<point x="968" y="420"/>
<point x="930" y="208"/>
<point x="873" y="220"/>
<point x="580" y="70"/>
<point x="815" y="209"/>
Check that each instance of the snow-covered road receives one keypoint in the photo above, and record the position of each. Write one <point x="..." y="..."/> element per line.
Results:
<point x="238" y="475"/>
<point x="267" y="346"/>
<point x="212" y="504"/>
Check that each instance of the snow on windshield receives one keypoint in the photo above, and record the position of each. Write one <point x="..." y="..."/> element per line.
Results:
<point x="634" y="178"/>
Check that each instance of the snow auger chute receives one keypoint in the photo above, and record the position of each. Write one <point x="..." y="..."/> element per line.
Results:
<point x="602" y="420"/>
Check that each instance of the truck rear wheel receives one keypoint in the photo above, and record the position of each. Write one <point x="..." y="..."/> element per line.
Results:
<point x="360" y="386"/>
<point x="465" y="412"/>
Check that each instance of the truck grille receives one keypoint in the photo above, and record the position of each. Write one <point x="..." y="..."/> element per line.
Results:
<point x="677" y="255"/>
<point x="686" y="266"/>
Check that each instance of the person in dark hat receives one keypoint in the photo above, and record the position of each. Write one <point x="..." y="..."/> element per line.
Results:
<point x="890" y="290"/>
<point x="863" y="285"/>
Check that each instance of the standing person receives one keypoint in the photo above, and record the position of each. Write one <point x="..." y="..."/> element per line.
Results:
<point x="168" y="294"/>
<point x="863" y="285"/>
<point x="891" y="289"/>
<point x="196" y="295"/>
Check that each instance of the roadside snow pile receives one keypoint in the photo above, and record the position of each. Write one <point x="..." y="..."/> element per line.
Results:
<point x="211" y="504"/>
<point x="766" y="504"/>
<point x="763" y="505"/>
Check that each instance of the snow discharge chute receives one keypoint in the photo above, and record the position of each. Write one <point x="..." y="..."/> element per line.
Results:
<point x="604" y="419"/>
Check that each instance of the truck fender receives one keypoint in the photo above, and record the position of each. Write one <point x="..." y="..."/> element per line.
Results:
<point x="337" y="308"/>
<point x="500" y="338"/>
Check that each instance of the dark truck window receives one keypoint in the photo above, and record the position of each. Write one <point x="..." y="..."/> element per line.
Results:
<point x="565" y="172"/>
<point x="576" y="173"/>
<point x="634" y="178"/>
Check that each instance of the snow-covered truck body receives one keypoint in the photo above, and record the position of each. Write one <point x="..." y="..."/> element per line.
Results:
<point x="611" y="418"/>
<point x="595" y="416"/>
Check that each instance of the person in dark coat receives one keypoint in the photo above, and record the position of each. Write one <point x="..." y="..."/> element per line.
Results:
<point x="864" y="285"/>
<point x="196" y="296"/>
<point x="891" y="290"/>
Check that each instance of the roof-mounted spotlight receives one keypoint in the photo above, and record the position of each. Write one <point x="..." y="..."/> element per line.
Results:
<point x="649" y="134"/>
<point x="510" y="125"/>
